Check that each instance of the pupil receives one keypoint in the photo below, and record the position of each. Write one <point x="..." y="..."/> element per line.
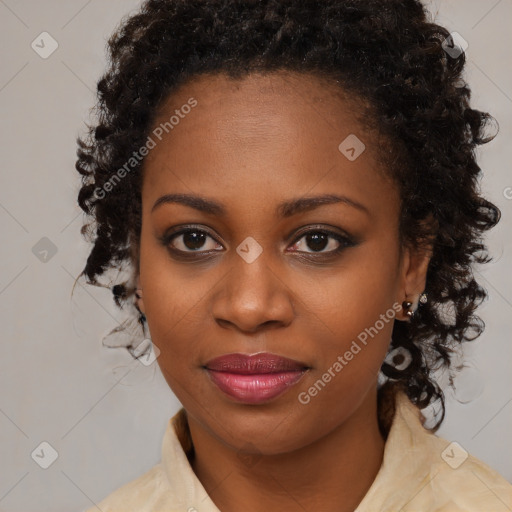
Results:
<point x="193" y="239"/>
<point x="317" y="241"/>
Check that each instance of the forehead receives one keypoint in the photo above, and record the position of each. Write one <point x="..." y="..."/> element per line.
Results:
<point x="263" y="105"/>
<point x="281" y="132"/>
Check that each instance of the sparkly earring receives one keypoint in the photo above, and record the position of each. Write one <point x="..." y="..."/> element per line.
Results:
<point x="406" y="306"/>
<point x="423" y="298"/>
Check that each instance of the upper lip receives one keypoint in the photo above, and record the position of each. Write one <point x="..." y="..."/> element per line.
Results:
<point x="262" y="362"/>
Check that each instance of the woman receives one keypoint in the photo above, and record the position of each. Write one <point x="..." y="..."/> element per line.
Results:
<point x="294" y="188"/>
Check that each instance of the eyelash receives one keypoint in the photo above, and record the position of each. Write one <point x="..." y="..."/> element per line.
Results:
<point x="345" y="241"/>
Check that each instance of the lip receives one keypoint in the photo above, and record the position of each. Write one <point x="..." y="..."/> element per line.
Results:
<point x="254" y="378"/>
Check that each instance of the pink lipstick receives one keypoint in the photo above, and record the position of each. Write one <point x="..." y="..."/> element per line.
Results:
<point x="254" y="378"/>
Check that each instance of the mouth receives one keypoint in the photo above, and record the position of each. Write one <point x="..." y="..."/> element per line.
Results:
<point x="254" y="378"/>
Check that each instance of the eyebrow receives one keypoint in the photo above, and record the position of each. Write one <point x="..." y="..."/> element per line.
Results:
<point x="285" y="209"/>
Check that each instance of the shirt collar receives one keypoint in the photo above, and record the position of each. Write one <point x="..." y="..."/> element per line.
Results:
<point x="407" y="454"/>
<point x="404" y="457"/>
<point x="186" y="488"/>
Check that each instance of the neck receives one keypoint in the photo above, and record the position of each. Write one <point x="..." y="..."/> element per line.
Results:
<point x="332" y="474"/>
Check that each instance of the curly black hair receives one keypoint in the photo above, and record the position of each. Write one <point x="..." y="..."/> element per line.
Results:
<point x="388" y="53"/>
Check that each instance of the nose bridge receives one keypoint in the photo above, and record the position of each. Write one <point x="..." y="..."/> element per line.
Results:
<point x="251" y="273"/>
<point x="253" y="294"/>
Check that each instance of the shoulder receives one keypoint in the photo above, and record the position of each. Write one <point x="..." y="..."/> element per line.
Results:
<point x="141" y="494"/>
<point x="458" y="481"/>
<point x="422" y="471"/>
<point x="452" y="479"/>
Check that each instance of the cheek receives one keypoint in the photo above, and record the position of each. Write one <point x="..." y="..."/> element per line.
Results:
<point x="357" y="306"/>
<point x="170" y="290"/>
<point x="357" y="292"/>
<point x="168" y="298"/>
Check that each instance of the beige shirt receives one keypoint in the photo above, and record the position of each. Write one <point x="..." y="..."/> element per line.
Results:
<point x="420" y="472"/>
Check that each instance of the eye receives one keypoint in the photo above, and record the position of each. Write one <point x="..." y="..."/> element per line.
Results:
<point x="322" y="241"/>
<point x="190" y="240"/>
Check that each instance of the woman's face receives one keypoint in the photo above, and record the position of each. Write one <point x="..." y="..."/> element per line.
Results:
<point x="272" y="262"/>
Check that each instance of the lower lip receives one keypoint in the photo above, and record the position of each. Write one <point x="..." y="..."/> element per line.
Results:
<point x="254" y="389"/>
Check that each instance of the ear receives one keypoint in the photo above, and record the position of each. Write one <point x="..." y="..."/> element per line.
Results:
<point x="415" y="259"/>
<point x="134" y="256"/>
<point x="415" y="262"/>
<point x="139" y="297"/>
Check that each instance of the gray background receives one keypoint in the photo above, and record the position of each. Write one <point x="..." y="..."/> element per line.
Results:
<point x="58" y="383"/>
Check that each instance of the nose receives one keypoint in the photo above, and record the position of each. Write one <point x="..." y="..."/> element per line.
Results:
<point x="254" y="297"/>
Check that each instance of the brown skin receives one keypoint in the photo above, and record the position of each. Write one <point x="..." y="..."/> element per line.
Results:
<point x="251" y="145"/>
